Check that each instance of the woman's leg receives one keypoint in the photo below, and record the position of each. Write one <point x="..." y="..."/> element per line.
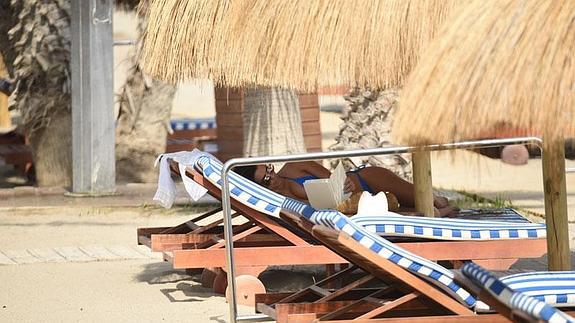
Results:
<point x="381" y="179"/>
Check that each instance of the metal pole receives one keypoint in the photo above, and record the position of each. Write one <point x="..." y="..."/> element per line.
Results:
<point x="230" y="164"/>
<point x="93" y="140"/>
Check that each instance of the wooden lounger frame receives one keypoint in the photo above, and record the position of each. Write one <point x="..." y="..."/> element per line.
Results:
<point x="405" y="297"/>
<point x="261" y="241"/>
<point x="189" y="245"/>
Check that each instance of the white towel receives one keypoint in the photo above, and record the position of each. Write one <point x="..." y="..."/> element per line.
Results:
<point x="167" y="191"/>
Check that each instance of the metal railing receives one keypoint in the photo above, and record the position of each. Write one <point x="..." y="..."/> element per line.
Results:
<point x="230" y="164"/>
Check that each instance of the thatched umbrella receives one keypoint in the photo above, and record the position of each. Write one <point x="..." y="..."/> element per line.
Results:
<point x="297" y="44"/>
<point x="501" y="62"/>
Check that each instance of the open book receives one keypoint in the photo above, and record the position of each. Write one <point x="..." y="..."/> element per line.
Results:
<point x="327" y="193"/>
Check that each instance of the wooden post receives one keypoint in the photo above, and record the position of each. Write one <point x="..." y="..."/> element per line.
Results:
<point x="422" y="182"/>
<point x="5" y="121"/>
<point x="556" y="219"/>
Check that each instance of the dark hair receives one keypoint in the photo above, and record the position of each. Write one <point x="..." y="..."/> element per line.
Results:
<point x="248" y="172"/>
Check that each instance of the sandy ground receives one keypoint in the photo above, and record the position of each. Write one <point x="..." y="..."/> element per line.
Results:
<point x="127" y="291"/>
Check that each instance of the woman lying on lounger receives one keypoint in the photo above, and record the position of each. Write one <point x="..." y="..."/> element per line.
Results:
<point x="289" y="182"/>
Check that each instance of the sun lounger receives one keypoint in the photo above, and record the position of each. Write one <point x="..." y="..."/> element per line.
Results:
<point x="414" y="286"/>
<point x="511" y="295"/>
<point x="191" y="133"/>
<point x="191" y="245"/>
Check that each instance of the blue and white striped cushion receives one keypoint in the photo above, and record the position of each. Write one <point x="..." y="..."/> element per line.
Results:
<point x="193" y="124"/>
<point x="448" y="229"/>
<point x="515" y="300"/>
<point x="556" y="288"/>
<point x="431" y="271"/>
<point x="505" y="214"/>
<point x="243" y="190"/>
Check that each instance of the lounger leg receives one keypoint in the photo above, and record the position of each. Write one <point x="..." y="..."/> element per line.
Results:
<point x="209" y="275"/>
<point x="247" y="287"/>
<point x="220" y="283"/>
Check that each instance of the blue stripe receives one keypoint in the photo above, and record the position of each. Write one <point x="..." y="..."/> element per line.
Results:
<point x="531" y="306"/>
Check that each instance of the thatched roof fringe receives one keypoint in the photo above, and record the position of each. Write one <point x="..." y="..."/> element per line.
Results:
<point x="299" y="44"/>
<point x="499" y="62"/>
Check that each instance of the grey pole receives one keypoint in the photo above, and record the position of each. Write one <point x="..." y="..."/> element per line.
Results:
<point x="93" y="139"/>
<point x="230" y="164"/>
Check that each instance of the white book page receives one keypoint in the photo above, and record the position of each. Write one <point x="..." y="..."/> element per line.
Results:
<point x="327" y="193"/>
<point x="337" y="179"/>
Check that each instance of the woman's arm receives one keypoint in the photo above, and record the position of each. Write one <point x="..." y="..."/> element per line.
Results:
<point x="315" y="169"/>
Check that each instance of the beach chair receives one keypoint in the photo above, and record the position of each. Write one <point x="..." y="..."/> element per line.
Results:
<point x="191" y="133"/>
<point x="511" y="295"/>
<point x="263" y="239"/>
<point x="414" y="288"/>
<point x="191" y="245"/>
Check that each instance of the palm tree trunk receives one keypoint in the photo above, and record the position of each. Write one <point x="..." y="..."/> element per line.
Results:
<point x="40" y="40"/>
<point x="7" y="22"/>
<point x="272" y="123"/>
<point x="367" y="122"/>
<point x="143" y="122"/>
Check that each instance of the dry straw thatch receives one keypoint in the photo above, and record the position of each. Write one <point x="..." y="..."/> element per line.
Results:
<point x="300" y="44"/>
<point x="499" y="61"/>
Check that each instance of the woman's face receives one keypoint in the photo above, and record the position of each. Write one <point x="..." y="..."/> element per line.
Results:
<point x="266" y="176"/>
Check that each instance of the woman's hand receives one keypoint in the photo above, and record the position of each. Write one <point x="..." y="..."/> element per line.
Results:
<point x="349" y="186"/>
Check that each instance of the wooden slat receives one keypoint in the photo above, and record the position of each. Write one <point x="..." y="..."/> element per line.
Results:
<point x="340" y="291"/>
<point x="487" y="318"/>
<point x="231" y="133"/>
<point x="308" y="100"/>
<point x="224" y="93"/>
<point x="311" y="128"/>
<point x="258" y="256"/>
<point x="359" y="302"/>
<point x="193" y="133"/>
<point x="297" y="296"/>
<point x="282" y="311"/>
<point x="389" y="306"/>
<point x="232" y="118"/>
<point x="309" y="114"/>
<point x="189" y="225"/>
<point x="457" y="250"/>
<point x="373" y="263"/>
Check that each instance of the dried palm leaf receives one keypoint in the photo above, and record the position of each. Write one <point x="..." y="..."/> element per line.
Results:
<point x="499" y="62"/>
<point x="300" y="44"/>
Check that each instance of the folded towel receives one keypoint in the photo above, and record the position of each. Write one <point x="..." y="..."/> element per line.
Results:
<point x="167" y="191"/>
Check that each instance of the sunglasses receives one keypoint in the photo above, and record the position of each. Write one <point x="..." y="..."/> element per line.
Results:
<point x="268" y="174"/>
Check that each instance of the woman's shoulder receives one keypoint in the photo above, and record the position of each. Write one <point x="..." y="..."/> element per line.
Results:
<point x="293" y="170"/>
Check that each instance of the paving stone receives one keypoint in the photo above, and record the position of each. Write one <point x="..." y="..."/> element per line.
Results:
<point x="73" y="254"/>
<point x="126" y="252"/>
<point x="21" y="256"/>
<point x="147" y="252"/>
<point x="99" y="253"/>
<point x="24" y="190"/>
<point x="46" y="255"/>
<point x="4" y="260"/>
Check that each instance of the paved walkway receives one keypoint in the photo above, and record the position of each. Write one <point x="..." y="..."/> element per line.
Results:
<point x="76" y="254"/>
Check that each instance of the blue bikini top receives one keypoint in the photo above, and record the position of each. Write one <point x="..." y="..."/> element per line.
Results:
<point x="362" y="182"/>
<point x="301" y="180"/>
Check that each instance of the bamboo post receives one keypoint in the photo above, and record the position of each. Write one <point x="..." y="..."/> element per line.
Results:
<point x="5" y="121"/>
<point x="556" y="219"/>
<point x="422" y="182"/>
